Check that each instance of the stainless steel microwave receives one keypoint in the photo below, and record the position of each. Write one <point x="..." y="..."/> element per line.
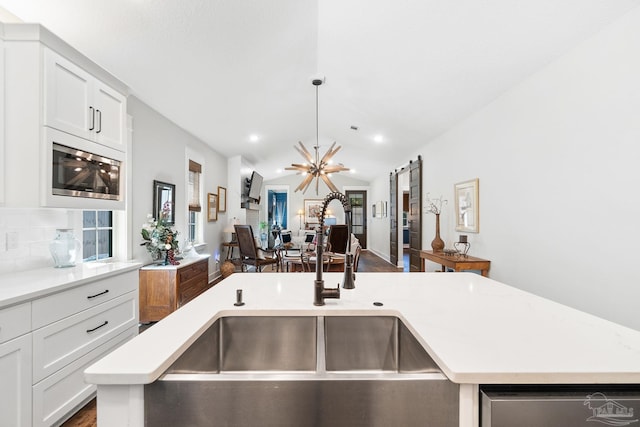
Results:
<point x="82" y="174"/>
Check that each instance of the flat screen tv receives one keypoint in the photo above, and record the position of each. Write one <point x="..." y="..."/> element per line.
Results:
<point x="255" y="185"/>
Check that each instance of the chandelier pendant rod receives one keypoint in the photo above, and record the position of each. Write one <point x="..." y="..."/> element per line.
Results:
<point x="317" y="129"/>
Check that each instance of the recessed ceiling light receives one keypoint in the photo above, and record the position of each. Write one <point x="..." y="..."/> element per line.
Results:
<point x="253" y="138"/>
<point x="352" y="170"/>
<point x="377" y="138"/>
<point x="278" y="170"/>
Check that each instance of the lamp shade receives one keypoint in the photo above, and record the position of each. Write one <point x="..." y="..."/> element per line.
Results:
<point x="230" y="226"/>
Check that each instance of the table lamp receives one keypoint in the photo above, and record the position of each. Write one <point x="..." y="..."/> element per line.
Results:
<point x="231" y="229"/>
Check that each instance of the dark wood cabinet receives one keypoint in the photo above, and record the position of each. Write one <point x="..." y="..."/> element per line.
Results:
<point x="164" y="289"/>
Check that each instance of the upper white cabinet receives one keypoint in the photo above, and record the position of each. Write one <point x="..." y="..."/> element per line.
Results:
<point x="2" y="155"/>
<point x="51" y="89"/>
<point x="78" y="103"/>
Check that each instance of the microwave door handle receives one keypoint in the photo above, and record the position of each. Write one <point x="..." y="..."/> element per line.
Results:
<point x="93" y="118"/>
<point x="99" y="121"/>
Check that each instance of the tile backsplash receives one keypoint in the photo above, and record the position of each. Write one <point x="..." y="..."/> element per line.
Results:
<point x="25" y="235"/>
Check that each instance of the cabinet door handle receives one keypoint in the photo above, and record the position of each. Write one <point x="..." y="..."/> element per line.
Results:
<point x="106" y="322"/>
<point x="93" y="118"/>
<point x="99" y="121"/>
<point x="97" y="295"/>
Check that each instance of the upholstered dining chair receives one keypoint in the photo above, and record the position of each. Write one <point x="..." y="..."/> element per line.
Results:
<point x="250" y="254"/>
<point x="338" y="238"/>
<point x="356" y="258"/>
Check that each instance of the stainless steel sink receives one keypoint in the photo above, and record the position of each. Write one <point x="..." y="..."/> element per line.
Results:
<point x="247" y="343"/>
<point x="303" y="371"/>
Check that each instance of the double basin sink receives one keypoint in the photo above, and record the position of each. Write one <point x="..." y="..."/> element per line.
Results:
<point x="303" y="371"/>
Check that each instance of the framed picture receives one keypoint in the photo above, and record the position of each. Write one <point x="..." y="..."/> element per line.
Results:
<point x="222" y="199"/>
<point x="312" y="210"/>
<point x="164" y="196"/>
<point x="212" y="207"/>
<point x="467" y="206"/>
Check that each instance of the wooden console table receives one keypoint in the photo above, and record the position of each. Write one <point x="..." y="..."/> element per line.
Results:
<point x="165" y="288"/>
<point x="456" y="262"/>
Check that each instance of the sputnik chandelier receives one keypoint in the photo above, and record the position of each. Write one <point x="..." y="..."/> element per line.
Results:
<point x="316" y="167"/>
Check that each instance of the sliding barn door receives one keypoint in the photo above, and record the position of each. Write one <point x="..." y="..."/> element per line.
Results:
<point x="393" y="218"/>
<point x="415" y="214"/>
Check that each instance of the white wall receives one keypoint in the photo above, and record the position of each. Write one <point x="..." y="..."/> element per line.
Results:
<point x="379" y="228"/>
<point x="557" y="158"/>
<point x="158" y="153"/>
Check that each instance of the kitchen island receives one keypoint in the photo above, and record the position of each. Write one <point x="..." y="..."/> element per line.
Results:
<point x="477" y="330"/>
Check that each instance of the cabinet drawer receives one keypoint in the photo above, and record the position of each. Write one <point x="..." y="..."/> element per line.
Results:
<point x="200" y="268"/>
<point x="62" y="392"/>
<point x="54" y="307"/>
<point x="15" y="321"/>
<point x="190" y="292"/>
<point x="60" y="343"/>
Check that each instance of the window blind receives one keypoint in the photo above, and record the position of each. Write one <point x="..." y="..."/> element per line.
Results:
<point x="193" y="196"/>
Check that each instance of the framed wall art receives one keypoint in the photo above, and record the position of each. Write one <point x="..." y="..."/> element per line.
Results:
<point x="212" y="207"/>
<point x="312" y="210"/>
<point x="222" y="199"/>
<point x="467" y="206"/>
<point x="164" y="196"/>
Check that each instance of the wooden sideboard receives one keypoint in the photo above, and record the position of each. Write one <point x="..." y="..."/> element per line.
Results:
<point x="456" y="262"/>
<point x="164" y="289"/>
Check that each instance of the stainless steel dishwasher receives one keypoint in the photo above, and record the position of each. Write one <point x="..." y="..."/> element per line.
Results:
<point x="560" y="406"/>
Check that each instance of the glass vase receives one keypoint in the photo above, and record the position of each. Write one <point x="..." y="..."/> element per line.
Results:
<point x="65" y="248"/>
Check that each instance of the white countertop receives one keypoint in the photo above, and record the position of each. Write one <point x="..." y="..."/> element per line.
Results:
<point x="27" y="285"/>
<point x="479" y="331"/>
<point x="183" y="262"/>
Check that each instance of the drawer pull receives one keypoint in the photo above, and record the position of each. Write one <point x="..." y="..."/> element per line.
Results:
<point x="106" y="322"/>
<point x="97" y="295"/>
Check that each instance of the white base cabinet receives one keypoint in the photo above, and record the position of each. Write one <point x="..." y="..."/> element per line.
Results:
<point x="48" y="342"/>
<point x="61" y="394"/>
<point x="15" y="382"/>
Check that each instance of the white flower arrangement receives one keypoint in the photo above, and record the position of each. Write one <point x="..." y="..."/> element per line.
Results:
<point x="158" y="236"/>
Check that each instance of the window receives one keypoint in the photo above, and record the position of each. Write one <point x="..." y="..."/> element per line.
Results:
<point x="97" y="235"/>
<point x="193" y="196"/>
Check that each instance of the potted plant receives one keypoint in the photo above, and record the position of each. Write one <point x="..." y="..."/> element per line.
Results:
<point x="263" y="233"/>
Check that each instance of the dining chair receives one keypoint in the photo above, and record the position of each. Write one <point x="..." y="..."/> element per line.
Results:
<point x="338" y="238"/>
<point x="356" y="258"/>
<point x="250" y="254"/>
<point x="308" y="259"/>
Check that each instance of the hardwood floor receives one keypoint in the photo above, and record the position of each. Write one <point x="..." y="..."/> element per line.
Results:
<point x="369" y="262"/>
<point x="85" y="417"/>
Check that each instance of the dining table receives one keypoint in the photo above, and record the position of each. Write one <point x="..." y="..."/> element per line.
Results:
<point x="293" y="261"/>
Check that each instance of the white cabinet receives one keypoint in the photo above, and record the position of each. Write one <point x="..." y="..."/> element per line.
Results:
<point x="47" y="342"/>
<point x="15" y="365"/>
<point x="65" y="391"/>
<point x="71" y="330"/>
<point x="50" y="87"/>
<point x="2" y="152"/>
<point x="15" y="382"/>
<point x="77" y="103"/>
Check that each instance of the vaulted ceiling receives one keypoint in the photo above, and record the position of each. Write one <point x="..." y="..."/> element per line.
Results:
<point x="402" y="70"/>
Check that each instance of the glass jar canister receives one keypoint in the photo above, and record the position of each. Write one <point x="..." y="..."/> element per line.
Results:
<point x="65" y="248"/>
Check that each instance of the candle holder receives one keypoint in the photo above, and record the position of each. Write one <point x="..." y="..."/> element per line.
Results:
<point x="462" y="246"/>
